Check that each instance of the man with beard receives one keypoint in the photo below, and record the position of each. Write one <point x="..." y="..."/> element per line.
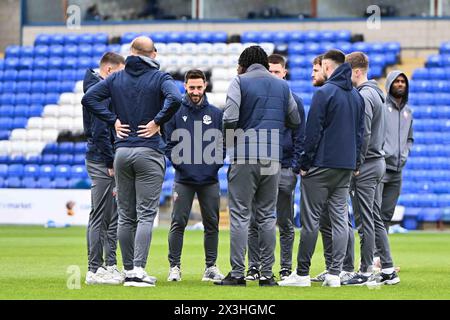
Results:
<point x="195" y="115"/>
<point x="398" y="143"/>
<point x="333" y="141"/>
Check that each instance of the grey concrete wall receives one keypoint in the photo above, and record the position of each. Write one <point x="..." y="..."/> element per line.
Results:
<point x="9" y="23"/>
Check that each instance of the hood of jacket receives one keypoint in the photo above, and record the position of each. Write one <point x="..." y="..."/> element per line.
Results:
<point x="342" y="77"/>
<point x="389" y="81"/>
<point x="90" y="78"/>
<point x="138" y="65"/>
<point x="374" y="85"/>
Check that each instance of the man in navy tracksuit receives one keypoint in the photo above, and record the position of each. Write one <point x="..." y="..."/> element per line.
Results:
<point x="102" y="226"/>
<point x="142" y="99"/>
<point x="334" y="134"/>
<point x="192" y="122"/>
<point x="292" y="148"/>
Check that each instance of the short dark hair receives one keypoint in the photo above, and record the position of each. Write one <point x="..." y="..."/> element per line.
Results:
<point x="194" y="74"/>
<point x="112" y="58"/>
<point x="358" y="60"/>
<point x="335" y="55"/>
<point x="277" y="59"/>
<point x="318" y="60"/>
<point x="253" y="54"/>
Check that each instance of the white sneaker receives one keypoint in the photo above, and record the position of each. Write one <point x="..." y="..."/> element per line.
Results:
<point x="294" y="280"/>
<point x="331" y="281"/>
<point x="174" y="274"/>
<point x="212" y="274"/>
<point x="101" y="276"/>
<point x="138" y="278"/>
<point x="320" y="277"/>
<point x="115" y="273"/>
<point x="346" y="276"/>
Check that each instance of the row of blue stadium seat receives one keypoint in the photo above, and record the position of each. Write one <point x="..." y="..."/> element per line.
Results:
<point x="432" y="137"/>
<point x="179" y="37"/>
<point x="438" y="187"/>
<point x="59" y="50"/>
<point x="426" y="175"/>
<point x="431" y="74"/>
<point x="429" y="149"/>
<point x="426" y="99"/>
<point x="65" y="147"/>
<point x="445" y="48"/>
<point x="30" y="99"/>
<point x="44" y="170"/>
<point x="431" y="112"/>
<point x="20" y="111"/>
<point x="42" y="75"/>
<point x="438" y="60"/>
<point x="71" y="38"/>
<point x="429" y="86"/>
<point x="45" y="183"/>
<point x="36" y="86"/>
<point x="55" y="159"/>
<point x="53" y="63"/>
<point x="427" y="125"/>
<point x="298" y="59"/>
<point x="13" y="123"/>
<point x="433" y="163"/>
<point x="424" y="200"/>
<point x="296" y="36"/>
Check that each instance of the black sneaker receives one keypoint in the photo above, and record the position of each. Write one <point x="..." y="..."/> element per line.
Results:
<point x="267" y="282"/>
<point x="252" y="274"/>
<point x="357" y="280"/>
<point x="231" y="281"/>
<point x="284" y="273"/>
<point x="384" y="278"/>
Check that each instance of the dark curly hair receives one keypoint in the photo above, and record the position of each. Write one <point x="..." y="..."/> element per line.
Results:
<point x="253" y="54"/>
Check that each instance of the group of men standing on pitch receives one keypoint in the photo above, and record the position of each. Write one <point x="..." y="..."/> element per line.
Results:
<point x="339" y="150"/>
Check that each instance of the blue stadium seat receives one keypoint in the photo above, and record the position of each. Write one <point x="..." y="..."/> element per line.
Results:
<point x="36" y="110"/>
<point x="300" y="74"/>
<point x="20" y="122"/>
<point x="2" y="183"/>
<point x="296" y="36"/>
<point x="6" y="111"/>
<point x="71" y="39"/>
<point x="312" y="36"/>
<point x="31" y="170"/>
<point x="128" y="37"/>
<point x="79" y="171"/>
<point x="27" y="52"/>
<point x="100" y="38"/>
<point x="421" y="74"/>
<point x="63" y="171"/>
<point x="29" y="183"/>
<point x="51" y="98"/>
<point x="42" y="39"/>
<point x="11" y="63"/>
<point x="68" y="75"/>
<point x="9" y="86"/>
<point x="249" y="36"/>
<point x="65" y="158"/>
<point x="161" y="37"/>
<point x="36" y="159"/>
<point x="266" y="36"/>
<point x="40" y="64"/>
<point x="50" y="158"/>
<point x="8" y="98"/>
<point x="84" y="62"/>
<point x="45" y="183"/>
<point x="442" y="99"/>
<point x="41" y="52"/>
<point x="15" y="170"/>
<point x="4" y="135"/>
<point x="55" y="63"/>
<point x="410" y="218"/>
<point x="86" y="38"/>
<point x="70" y="50"/>
<point x="56" y="39"/>
<point x="296" y="48"/>
<point x="13" y="182"/>
<point x="23" y="87"/>
<point x="38" y="87"/>
<point x="189" y="37"/>
<point x="79" y="159"/>
<point x="343" y="35"/>
<point x="434" y="60"/>
<point x="56" y="51"/>
<point x="53" y="74"/>
<point x="67" y="86"/>
<point x="65" y="147"/>
<point x="280" y="37"/>
<point x="12" y="51"/>
<point x="362" y="46"/>
<point x="47" y="170"/>
<point x="3" y="170"/>
<point x="437" y="73"/>
<point x="24" y="75"/>
<point x="312" y="48"/>
<point x="21" y="111"/>
<point x="99" y="49"/>
<point x="61" y="183"/>
<point x="85" y="50"/>
<point x="53" y="87"/>
<point x="430" y="215"/>
<point x="10" y="75"/>
<point x="174" y="37"/>
<point x="219" y="37"/>
<point x="445" y="48"/>
<point x="16" y="159"/>
<point x="80" y="148"/>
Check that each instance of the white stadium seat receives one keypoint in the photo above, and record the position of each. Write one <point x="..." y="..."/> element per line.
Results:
<point x="173" y="61"/>
<point x="189" y="48"/>
<point x="34" y="148"/>
<point x="205" y="48"/>
<point x="51" y="110"/>
<point x="268" y="47"/>
<point x="67" y="98"/>
<point x="49" y="123"/>
<point x="78" y="110"/>
<point x="220" y="86"/>
<point x="220" y="48"/>
<point x="34" y="134"/>
<point x="161" y="48"/>
<point x="65" y="123"/>
<point x="49" y="135"/>
<point x="66" y="110"/>
<point x="219" y="61"/>
<point x="125" y="49"/>
<point x="18" y="135"/>
<point x="204" y="61"/>
<point x="78" y="124"/>
<point x="78" y="98"/>
<point x="5" y="147"/>
<point x="18" y="148"/>
<point x="79" y="87"/>
<point x="235" y="48"/>
<point x="174" y="48"/>
<point x="219" y="74"/>
<point x="189" y="61"/>
<point x="34" y="123"/>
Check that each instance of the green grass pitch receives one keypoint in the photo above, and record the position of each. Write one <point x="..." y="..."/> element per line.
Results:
<point x="34" y="263"/>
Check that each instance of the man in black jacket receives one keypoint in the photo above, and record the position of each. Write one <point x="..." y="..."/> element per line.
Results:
<point x="333" y="139"/>
<point x="195" y="174"/>
<point x="102" y="226"/>
<point x="142" y="99"/>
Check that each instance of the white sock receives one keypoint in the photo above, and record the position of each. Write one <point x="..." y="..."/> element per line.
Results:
<point x="388" y="270"/>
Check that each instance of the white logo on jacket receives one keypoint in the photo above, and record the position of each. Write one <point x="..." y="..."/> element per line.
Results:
<point x="207" y="119"/>
<point x="184" y="118"/>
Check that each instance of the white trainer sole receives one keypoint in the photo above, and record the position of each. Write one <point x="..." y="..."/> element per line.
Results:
<point x="138" y="284"/>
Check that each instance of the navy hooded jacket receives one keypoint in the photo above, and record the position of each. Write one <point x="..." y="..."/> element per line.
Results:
<point x="99" y="135"/>
<point x="195" y="120"/>
<point x="139" y="94"/>
<point x="293" y="140"/>
<point x="335" y="125"/>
